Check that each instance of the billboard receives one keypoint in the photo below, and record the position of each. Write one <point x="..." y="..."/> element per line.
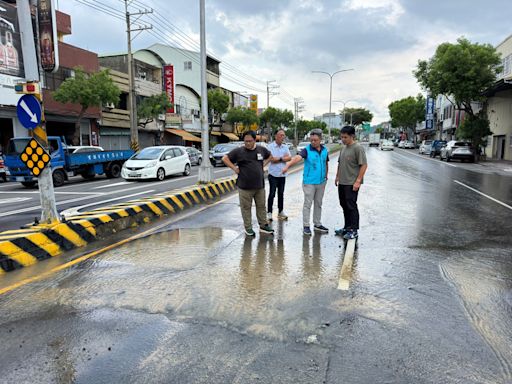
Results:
<point x="429" y="112"/>
<point x="11" y="57"/>
<point x="48" y="42"/>
<point x="169" y="85"/>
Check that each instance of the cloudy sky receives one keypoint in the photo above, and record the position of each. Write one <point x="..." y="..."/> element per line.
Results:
<point x="285" y="40"/>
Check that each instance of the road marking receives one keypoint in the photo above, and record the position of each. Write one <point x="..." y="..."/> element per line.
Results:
<point x="483" y="194"/>
<point x="113" y="185"/>
<point x="108" y="248"/>
<point x="10" y="200"/>
<point x="75" y="210"/>
<point x="346" y="268"/>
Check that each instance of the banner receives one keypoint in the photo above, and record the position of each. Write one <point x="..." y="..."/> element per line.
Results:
<point x="169" y="85"/>
<point x="429" y="112"/>
<point x="48" y="41"/>
<point x="11" y="57"/>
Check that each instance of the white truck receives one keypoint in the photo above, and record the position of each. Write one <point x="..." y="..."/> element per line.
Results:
<point x="374" y="139"/>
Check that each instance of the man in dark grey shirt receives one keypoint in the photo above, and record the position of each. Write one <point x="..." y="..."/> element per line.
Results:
<point x="352" y="166"/>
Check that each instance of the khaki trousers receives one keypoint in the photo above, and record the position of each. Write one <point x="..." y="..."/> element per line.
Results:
<point x="246" y="197"/>
<point x="313" y="194"/>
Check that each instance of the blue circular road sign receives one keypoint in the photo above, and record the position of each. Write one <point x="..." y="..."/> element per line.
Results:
<point x="29" y="111"/>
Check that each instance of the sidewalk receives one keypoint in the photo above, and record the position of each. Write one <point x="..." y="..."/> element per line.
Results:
<point x="498" y="165"/>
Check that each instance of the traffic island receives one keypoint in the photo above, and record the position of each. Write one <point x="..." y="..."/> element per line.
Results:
<point x="25" y="247"/>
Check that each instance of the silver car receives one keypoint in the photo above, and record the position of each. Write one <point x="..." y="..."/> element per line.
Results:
<point x="218" y="152"/>
<point x="425" y="147"/>
<point x="459" y="150"/>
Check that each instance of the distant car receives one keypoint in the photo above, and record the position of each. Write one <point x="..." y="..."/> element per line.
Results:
<point x="458" y="150"/>
<point x="3" y="173"/>
<point x="83" y="148"/>
<point x="425" y="147"/>
<point x="302" y="145"/>
<point x="218" y="152"/>
<point x="386" y="145"/>
<point x="195" y="155"/>
<point x="409" y="145"/>
<point x="157" y="163"/>
<point x="401" y="144"/>
<point x="435" y="148"/>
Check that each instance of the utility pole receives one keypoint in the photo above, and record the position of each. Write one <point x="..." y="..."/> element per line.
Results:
<point x="132" y="99"/>
<point x="49" y="213"/>
<point x="299" y="107"/>
<point x="271" y="90"/>
<point x="205" y="169"/>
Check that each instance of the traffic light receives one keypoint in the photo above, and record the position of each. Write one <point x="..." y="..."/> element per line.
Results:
<point x="31" y="88"/>
<point x="35" y="157"/>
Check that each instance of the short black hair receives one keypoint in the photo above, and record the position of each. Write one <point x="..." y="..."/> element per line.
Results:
<point x="316" y="132"/>
<point x="250" y="133"/>
<point x="279" y="130"/>
<point x="349" y="130"/>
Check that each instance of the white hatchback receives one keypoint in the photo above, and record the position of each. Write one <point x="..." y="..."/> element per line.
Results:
<point x="157" y="163"/>
<point x="386" y="145"/>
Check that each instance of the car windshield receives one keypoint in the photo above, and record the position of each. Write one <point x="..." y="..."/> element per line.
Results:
<point x="224" y="147"/>
<point x="17" y="146"/>
<point x="461" y="144"/>
<point x="428" y="142"/>
<point x="148" y="154"/>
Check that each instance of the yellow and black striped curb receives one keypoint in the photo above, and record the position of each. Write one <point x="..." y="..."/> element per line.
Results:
<point x="25" y="247"/>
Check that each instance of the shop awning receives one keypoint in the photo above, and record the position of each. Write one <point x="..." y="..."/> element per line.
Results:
<point x="184" y="134"/>
<point x="231" y="136"/>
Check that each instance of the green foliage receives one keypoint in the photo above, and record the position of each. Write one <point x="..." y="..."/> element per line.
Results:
<point x="305" y="126"/>
<point x="245" y="116"/>
<point x="359" y="115"/>
<point x="407" y="112"/>
<point x="461" y="71"/>
<point x="218" y="101"/>
<point x="475" y="129"/>
<point x="150" y="107"/>
<point x="88" y="90"/>
<point x="379" y="130"/>
<point x="276" y="118"/>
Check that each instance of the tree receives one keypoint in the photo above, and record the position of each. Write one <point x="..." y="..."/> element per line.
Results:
<point x="276" y="118"/>
<point x="218" y="102"/>
<point x="462" y="72"/>
<point x="150" y="107"/>
<point x="241" y="115"/>
<point x="87" y="90"/>
<point x="407" y="112"/>
<point x="305" y="126"/>
<point x="357" y="115"/>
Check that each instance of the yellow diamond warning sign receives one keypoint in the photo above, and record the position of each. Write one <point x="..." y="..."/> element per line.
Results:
<point x="35" y="157"/>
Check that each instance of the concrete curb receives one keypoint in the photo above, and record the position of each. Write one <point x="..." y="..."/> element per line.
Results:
<point x="25" y="247"/>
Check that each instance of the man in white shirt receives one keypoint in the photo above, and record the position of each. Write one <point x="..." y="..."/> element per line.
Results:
<point x="276" y="179"/>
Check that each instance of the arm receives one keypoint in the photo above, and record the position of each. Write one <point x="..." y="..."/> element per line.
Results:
<point x="360" y="176"/>
<point x="229" y="163"/>
<point x="295" y="159"/>
<point x="327" y="170"/>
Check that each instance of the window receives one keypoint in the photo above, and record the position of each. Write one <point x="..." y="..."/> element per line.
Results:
<point x="177" y="152"/>
<point x="188" y="66"/>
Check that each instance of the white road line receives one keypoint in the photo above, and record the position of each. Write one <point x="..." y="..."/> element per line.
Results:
<point x="10" y="200"/>
<point x="57" y="193"/>
<point x="483" y="194"/>
<point x="74" y="210"/>
<point x="426" y="158"/>
<point x="113" y="185"/>
<point x="346" y="268"/>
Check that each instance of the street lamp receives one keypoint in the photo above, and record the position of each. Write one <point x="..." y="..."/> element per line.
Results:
<point x="330" y="91"/>
<point x="344" y="102"/>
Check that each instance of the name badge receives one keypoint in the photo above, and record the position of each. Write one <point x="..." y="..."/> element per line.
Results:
<point x="260" y="157"/>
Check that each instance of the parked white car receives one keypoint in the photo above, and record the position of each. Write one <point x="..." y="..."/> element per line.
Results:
<point x="302" y="145"/>
<point x="425" y="147"/>
<point x="409" y="145"/>
<point x="386" y="145"/>
<point x="157" y="163"/>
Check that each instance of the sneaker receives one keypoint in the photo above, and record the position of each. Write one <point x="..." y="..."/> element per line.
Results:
<point x="351" y="234"/>
<point x="340" y="232"/>
<point x="266" y="229"/>
<point x="250" y="232"/>
<point x="269" y="216"/>
<point x="321" y="228"/>
<point x="307" y="231"/>
<point x="282" y="216"/>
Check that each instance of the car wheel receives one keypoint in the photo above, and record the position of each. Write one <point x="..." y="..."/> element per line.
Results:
<point x="114" y="171"/>
<point x="160" y="174"/>
<point x="58" y="178"/>
<point x="186" y="172"/>
<point x="199" y="161"/>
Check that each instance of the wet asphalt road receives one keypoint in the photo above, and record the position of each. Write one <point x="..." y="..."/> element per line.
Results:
<point x="430" y="297"/>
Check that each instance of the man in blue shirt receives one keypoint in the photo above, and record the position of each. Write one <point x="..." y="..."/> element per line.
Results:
<point x="316" y="168"/>
<point x="276" y="179"/>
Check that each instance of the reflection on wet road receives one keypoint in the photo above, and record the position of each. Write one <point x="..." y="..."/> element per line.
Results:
<point x="430" y="297"/>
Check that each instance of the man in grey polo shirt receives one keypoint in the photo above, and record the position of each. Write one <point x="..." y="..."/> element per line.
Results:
<point x="276" y="179"/>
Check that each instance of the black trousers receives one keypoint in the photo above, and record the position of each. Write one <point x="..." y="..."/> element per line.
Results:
<point x="348" y="201"/>
<point x="276" y="183"/>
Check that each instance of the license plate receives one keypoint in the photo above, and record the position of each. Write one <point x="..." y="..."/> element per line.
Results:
<point x="20" y="178"/>
<point x="133" y="175"/>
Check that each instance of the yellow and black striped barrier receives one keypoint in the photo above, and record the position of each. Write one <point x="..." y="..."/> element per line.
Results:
<point x="25" y="247"/>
